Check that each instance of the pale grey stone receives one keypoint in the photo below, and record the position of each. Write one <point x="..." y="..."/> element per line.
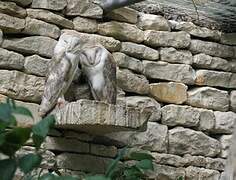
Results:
<point x="207" y="120"/>
<point x="199" y="161"/>
<point x="225" y="141"/>
<point x="130" y="82"/>
<point x="207" y="62"/>
<point x="232" y="82"/>
<point x="139" y="51"/>
<point x="31" y="45"/>
<point x="1" y="37"/>
<point x="215" y="163"/>
<point x="228" y="38"/>
<point x="224" y="122"/>
<point x="169" y="92"/>
<point x="85" y="25"/>
<point x="11" y="24"/>
<point x="83" y="8"/>
<point x="21" y="2"/>
<point x="124" y="15"/>
<point x="38" y="27"/>
<point x="12" y="9"/>
<point x="212" y="49"/>
<point x="153" y="22"/>
<point x="176" y="56"/>
<point x="49" y="4"/>
<point x="186" y="141"/>
<point x="121" y="31"/>
<point x="161" y="38"/>
<point x="232" y="65"/>
<point x="104" y="151"/>
<point x="169" y="159"/>
<point x="195" y="173"/>
<point x="109" y="43"/>
<point x="172" y="72"/>
<point x="50" y="17"/>
<point x="125" y="61"/>
<point x="36" y="65"/>
<point x="20" y="86"/>
<point x="209" y="98"/>
<point x="11" y="60"/>
<point x="233" y="101"/>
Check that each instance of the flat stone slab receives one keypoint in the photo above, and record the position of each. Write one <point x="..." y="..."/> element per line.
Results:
<point x="97" y="117"/>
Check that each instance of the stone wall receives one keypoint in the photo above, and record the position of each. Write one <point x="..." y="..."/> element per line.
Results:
<point x="184" y="74"/>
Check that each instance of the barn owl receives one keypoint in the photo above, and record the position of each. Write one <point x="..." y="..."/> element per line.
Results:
<point x="61" y="72"/>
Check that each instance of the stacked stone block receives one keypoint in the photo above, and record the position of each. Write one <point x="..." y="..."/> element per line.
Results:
<point x="180" y="72"/>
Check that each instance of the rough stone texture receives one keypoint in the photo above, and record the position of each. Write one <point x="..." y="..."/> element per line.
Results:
<point x="31" y="45"/>
<point x="21" y="2"/>
<point x="146" y="103"/>
<point x="125" y="61"/>
<point x="169" y="92"/>
<point x="50" y="17"/>
<point x="197" y="31"/>
<point x="209" y="98"/>
<point x="20" y="86"/>
<point x="152" y="22"/>
<point x="121" y="31"/>
<point x="195" y="173"/>
<point x="87" y="115"/>
<point x="36" y="65"/>
<point x="104" y="151"/>
<point x="139" y="51"/>
<point x="207" y="120"/>
<point x="83" y="8"/>
<point x="49" y="4"/>
<point x="225" y="141"/>
<point x="131" y="82"/>
<point x="186" y="141"/>
<point x="108" y="42"/>
<point x="207" y="62"/>
<point x="85" y="25"/>
<point x="12" y="9"/>
<point x="1" y="37"/>
<point x="228" y="38"/>
<point x="213" y="78"/>
<point x="173" y="72"/>
<point x="169" y="159"/>
<point x="215" y="163"/>
<point x="224" y="122"/>
<point x="159" y="38"/>
<point x="233" y="101"/>
<point x="10" y="24"/>
<point x="11" y="60"/>
<point x="38" y="27"/>
<point x="212" y="49"/>
<point x="124" y="15"/>
<point x="176" y="56"/>
<point x="232" y="64"/>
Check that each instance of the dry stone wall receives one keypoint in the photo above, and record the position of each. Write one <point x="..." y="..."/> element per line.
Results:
<point x="184" y="74"/>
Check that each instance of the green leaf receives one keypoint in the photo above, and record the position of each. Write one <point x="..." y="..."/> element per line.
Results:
<point x="133" y="173"/>
<point x="65" y="178"/>
<point x="145" y="164"/>
<point x="5" y="112"/>
<point x="7" y="169"/>
<point x="2" y="138"/>
<point x="47" y="176"/>
<point x="22" y="111"/>
<point x="180" y="178"/>
<point x="28" y="162"/>
<point x="140" y="156"/>
<point x="97" y="178"/>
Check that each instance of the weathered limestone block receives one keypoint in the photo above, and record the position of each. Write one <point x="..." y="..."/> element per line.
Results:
<point x="50" y="17"/>
<point x="83" y="162"/>
<point x="1" y="37"/>
<point x="195" y="173"/>
<point x="31" y="45"/>
<point x="98" y="117"/>
<point x="197" y="31"/>
<point x="160" y="38"/>
<point x="225" y="141"/>
<point x="176" y="56"/>
<point x="81" y="136"/>
<point x="36" y="65"/>
<point x="207" y="62"/>
<point x="85" y="25"/>
<point x="124" y="15"/>
<point x="125" y="61"/>
<point x="11" y="60"/>
<point x="131" y="82"/>
<point x="228" y="38"/>
<point x="207" y="120"/>
<point x="146" y="103"/>
<point x="20" y="86"/>
<point x="10" y="24"/>
<point x="233" y="101"/>
<point x="38" y="27"/>
<point x="209" y="98"/>
<point x="139" y="51"/>
<point x="212" y="49"/>
<point x="224" y="122"/>
<point x="121" y="31"/>
<point x="172" y="72"/>
<point x="108" y="42"/>
<point x="232" y="82"/>
<point x="215" y="163"/>
<point x="186" y="141"/>
<point x="21" y="2"/>
<point x="12" y="9"/>
<point x="213" y="78"/>
<point x="153" y="22"/>
<point x="169" y="159"/>
<point x="104" y="151"/>
<point x="232" y="64"/>
<point x="49" y="4"/>
<point x="83" y="8"/>
<point x="169" y="92"/>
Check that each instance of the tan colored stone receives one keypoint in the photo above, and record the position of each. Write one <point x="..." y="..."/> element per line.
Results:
<point x="233" y="101"/>
<point x="169" y="159"/>
<point x="10" y="24"/>
<point x="104" y="151"/>
<point x="85" y="25"/>
<point x="21" y="2"/>
<point x="49" y="4"/>
<point x="195" y="173"/>
<point x="12" y="9"/>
